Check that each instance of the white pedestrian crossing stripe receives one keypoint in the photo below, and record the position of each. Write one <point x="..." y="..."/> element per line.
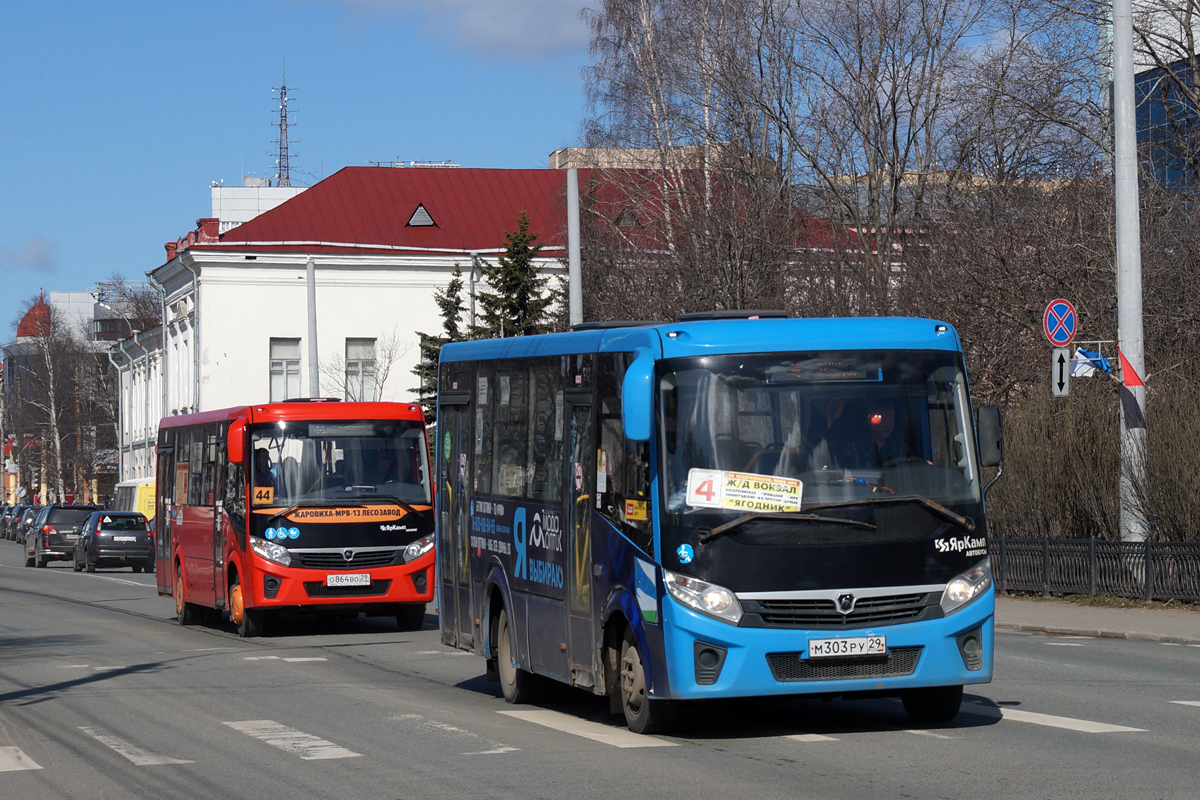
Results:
<point x="1049" y="720"/>
<point x="1195" y="703"/>
<point x="606" y="734"/>
<point x="12" y="760"/>
<point x="290" y="740"/>
<point x="810" y="737"/>
<point x="140" y="757"/>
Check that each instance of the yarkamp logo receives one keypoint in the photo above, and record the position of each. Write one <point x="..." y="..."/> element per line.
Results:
<point x="963" y="544"/>
<point x="390" y="528"/>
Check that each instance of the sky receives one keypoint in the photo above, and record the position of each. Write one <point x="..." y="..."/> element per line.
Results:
<point x="116" y="117"/>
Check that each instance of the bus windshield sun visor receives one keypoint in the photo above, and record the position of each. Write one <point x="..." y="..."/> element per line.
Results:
<point x="788" y="515"/>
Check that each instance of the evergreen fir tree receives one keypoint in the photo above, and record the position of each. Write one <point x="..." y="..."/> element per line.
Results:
<point x="450" y="306"/>
<point x="517" y="303"/>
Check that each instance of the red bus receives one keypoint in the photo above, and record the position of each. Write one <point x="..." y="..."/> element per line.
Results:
<point x="300" y="505"/>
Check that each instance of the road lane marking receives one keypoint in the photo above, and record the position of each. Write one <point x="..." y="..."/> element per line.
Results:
<point x="1063" y="644"/>
<point x="261" y="658"/>
<point x="442" y="653"/>
<point x="139" y="757"/>
<point x="73" y="666"/>
<point x="605" y="734"/>
<point x="931" y="734"/>
<point x="206" y="649"/>
<point x="12" y="760"/>
<point x="296" y="660"/>
<point x="1195" y="703"/>
<point x="810" y="737"/>
<point x="454" y="732"/>
<point x="290" y="740"/>
<point x="1049" y="720"/>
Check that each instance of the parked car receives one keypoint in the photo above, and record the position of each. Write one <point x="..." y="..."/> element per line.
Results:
<point x="8" y="526"/>
<point x="114" y="539"/>
<point x="52" y="535"/>
<point x="22" y="523"/>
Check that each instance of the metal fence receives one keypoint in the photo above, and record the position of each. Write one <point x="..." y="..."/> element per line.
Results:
<point x="1149" y="570"/>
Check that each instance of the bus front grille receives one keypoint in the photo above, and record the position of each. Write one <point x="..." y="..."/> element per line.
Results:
<point x="375" y="589"/>
<point x="333" y="559"/>
<point x="817" y="613"/>
<point x="790" y="667"/>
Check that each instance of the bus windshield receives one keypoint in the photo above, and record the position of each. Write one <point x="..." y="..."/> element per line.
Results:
<point x="847" y="425"/>
<point x="328" y="462"/>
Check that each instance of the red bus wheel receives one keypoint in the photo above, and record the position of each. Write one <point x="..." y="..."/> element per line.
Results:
<point x="186" y="613"/>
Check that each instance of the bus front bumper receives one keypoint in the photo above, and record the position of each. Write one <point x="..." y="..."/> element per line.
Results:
<point x="276" y="586"/>
<point x="752" y="662"/>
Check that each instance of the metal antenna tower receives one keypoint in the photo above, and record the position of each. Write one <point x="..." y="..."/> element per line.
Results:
<point x="282" y="158"/>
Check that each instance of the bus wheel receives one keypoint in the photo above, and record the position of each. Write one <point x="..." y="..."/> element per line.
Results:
<point x="518" y="685"/>
<point x="643" y="714"/>
<point x="411" y="616"/>
<point x="186" y="613"/>
<point x="250" y="622"/>
<point x="937" y="704"/>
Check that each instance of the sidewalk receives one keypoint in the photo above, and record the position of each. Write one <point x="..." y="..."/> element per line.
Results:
<point x="1058" y="616"/>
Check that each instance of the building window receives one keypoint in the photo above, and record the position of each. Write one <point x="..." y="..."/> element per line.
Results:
<point x="285" y="369"/>
<point x="360" y="369"/>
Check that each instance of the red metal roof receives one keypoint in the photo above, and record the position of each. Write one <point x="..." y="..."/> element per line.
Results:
<point x="36" y="321"/>
<point x="368" y="209"/>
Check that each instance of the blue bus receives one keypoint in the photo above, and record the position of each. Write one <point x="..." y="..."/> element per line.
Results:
<point x="735" y="504"/>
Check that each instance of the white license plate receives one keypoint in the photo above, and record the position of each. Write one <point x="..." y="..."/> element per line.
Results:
<point x="69" y="537"/>
<point x="850" y="646"/>
<point x="124" y="538"/>
<point x="349" y="579"/>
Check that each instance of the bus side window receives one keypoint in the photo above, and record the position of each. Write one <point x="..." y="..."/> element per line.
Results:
<point x="626" y="464"/>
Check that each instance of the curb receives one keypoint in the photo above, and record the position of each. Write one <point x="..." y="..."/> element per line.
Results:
<point x="1059" y="630"/>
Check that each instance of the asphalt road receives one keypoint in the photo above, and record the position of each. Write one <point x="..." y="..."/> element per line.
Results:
<point x="103" y="695"/>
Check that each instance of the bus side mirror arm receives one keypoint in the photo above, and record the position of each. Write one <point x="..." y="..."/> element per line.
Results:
<point x="236" y="441"/>
<point x="637" y="397"/>
<point x="991" y="440"/>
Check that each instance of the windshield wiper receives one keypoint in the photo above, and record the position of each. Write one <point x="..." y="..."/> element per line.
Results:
<point x="939" y="509"/>
<point x="788" y="515"/>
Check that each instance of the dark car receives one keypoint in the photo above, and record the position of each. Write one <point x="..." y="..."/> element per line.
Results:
<point x="114" y="539"/>
<point x="52" y="535"/>
<point x="8" y="530"/>
<point x="21" y="523"/>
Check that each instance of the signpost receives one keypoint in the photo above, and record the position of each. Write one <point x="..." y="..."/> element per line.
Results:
<point x="1060" y="322"/>
<point x="1060" y="371"/>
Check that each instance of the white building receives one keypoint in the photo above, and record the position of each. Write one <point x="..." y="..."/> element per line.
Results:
<point x="382" y="241"/>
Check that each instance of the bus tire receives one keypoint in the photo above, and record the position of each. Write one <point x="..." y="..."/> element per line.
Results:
<point x="410" y="617"/>
<point x="250" y="622"/>
<point x="518" y="685"/>
<point x="185" y="613"/>
<point x="643" y="714"/>
<point x="935" y="704"/>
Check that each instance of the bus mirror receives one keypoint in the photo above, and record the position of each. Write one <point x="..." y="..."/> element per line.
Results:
<point x="637" y="393"/>
<point x="237" y="435"/>
<point x="991" y="436"/>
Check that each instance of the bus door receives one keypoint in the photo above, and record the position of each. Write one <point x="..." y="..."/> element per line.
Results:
<point x="581" y="561"/>
<point x="453" y="545"/>
<point x="214" y="484"/>
<point x="163" y="570"/>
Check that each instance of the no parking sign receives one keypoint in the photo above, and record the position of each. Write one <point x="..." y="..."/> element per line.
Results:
<point x="1060" y="322"/>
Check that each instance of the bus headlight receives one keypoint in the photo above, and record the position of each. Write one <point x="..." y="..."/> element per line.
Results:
<point x="418" y="548"/>
<point x="968" y="586"/>
<point x="271" y="551"/>
<point x="705" y="597"/>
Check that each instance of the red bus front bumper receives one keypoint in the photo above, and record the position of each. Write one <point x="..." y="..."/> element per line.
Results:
<point x="273" y="586"/>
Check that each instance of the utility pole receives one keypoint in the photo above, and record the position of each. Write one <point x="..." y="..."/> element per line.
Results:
<point x="1129" y="270"/>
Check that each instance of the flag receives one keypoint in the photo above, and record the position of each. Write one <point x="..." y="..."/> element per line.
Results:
<point x="1134" y="418"/>
<point x="1085" y="363"/>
